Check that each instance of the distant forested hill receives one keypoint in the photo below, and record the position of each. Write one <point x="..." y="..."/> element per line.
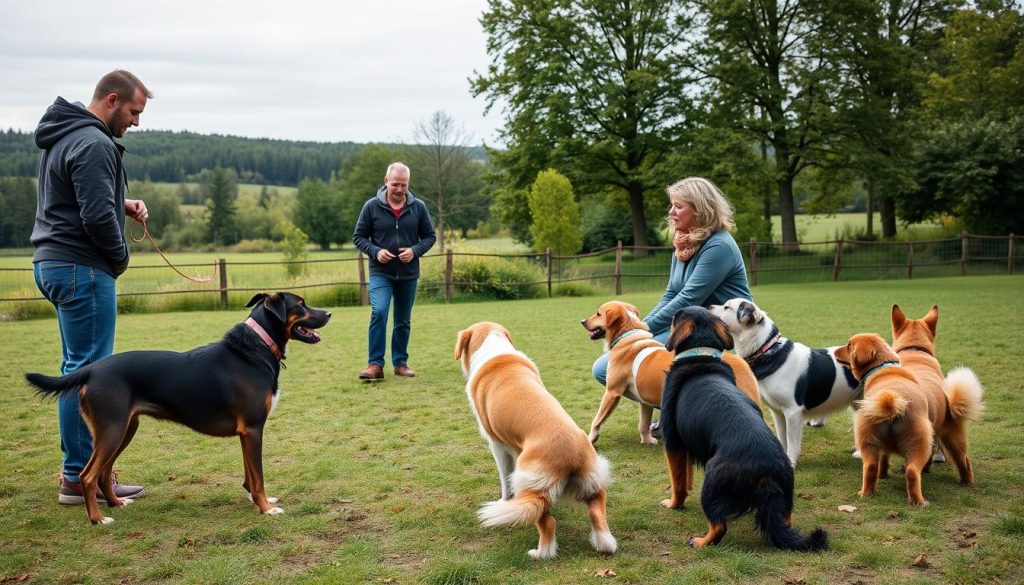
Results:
<point x="159" y="155"/>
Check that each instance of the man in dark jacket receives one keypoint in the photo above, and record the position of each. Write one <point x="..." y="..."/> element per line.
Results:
<point x="79" y="241"/>
<point x="394" y="230"/>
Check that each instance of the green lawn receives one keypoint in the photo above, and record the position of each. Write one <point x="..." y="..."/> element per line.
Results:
<point x="821" y="228"/>
<point x="380" y="484"/>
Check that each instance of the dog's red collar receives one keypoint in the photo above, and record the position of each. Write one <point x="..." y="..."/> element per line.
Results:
<point x="764" y="348"/>
<point x="264" y="336"/>
<point x="915" y="348"/>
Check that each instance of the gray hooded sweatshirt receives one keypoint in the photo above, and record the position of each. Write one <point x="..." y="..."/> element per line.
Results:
<point x="80" y="211"/>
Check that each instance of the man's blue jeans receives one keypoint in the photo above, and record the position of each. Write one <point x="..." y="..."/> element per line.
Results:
<point x="600" y="367"/>
<point x="86" y="303"/>
<point x="382" y="291"/>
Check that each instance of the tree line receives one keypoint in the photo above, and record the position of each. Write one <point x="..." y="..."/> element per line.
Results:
<point x="917" y="103"/>
<point x="209" y="211"/>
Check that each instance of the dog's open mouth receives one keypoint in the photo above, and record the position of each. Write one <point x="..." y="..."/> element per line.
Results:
<point x="300" y="333"/>
<point x="597" y="332"/>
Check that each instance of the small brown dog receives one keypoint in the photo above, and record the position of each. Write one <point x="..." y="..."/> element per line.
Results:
<point x="895" y="415"/>
<point x="953" y="400"/>
<point x="637" y="365"/>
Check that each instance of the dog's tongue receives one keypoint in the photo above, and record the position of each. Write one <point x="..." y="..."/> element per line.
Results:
<point x="309" y="332"/>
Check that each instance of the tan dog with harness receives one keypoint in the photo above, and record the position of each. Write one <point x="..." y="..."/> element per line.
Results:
<point x="637" y="365"/>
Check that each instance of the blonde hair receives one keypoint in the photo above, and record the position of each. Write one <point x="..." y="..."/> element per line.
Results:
<point x="714" y="212"/>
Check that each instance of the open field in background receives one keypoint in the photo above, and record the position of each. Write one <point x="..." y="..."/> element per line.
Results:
<point x="381" y="484"/>
<point x="821" y="228"/>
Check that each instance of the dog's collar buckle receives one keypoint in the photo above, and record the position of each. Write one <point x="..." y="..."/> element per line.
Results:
<point x="264" y="336"/>
<point x="699" y="352"/>
<point x="880" y="366"/>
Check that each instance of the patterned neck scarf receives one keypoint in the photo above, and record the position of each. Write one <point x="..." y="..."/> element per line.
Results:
<point x="686" y="247"/>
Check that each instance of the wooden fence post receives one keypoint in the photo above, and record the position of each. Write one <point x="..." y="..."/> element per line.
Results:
<point x="448" y="269"/>
<point x="910" y="260"/>
<point x="364" y="293"/>
<point x="837" y="266"/>
<point x="547" y="254"/>
<point x="963" y="253"/>
<point x="1009" y="256"/>
<point x="222" y="269"/>
<point x="618" y="268"/>
<point x="753" y="261"/>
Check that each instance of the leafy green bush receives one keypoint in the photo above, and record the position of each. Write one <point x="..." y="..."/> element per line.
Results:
<point x="575" y="289"/>
<point x="485" y="277"/>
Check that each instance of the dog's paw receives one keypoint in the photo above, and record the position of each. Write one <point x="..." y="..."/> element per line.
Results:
<point x="691" y="542"/>
<point x="275" y="511"/>
<point x="922" y="503"/>
<point x="126" y="501"/>
<point x="104" y="520"/>
<point x="648" y="440"/>
<point x="593" y="437"/>
<point x="270" y="499"/>
<point x="603" y="542"/>
<point x="864" y="493"/>
<point x="668" y="503"/>
<point x="543" y="552"/>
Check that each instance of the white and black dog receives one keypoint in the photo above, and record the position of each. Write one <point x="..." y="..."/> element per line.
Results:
<point x="796" y="382"/>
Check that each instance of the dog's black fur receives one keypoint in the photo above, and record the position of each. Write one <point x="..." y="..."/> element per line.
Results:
<point x="706" y="419"/>
<point x="222" y="389"/>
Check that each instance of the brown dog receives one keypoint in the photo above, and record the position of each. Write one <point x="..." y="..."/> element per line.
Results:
<point x="637" y="365"/>
<point x="951" y="401"/>
<point x="539" y="450"/>
<point x="895" y="415"/>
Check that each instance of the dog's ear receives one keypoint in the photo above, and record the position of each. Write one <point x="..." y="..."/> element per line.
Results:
<point x="723" y="334"/>
<point x="843" y="355"/>
<point x="898" y="318"/>
<point x="277" y="305"/>
<point x="508" y="335"/>
<point x="255" y="299"/>
<point x="748" y="313"/>
<point x="633" y="311"/>
<point x="681" y="329"/>
<point x="462" y="342"/>
<point x="932" y="319"/>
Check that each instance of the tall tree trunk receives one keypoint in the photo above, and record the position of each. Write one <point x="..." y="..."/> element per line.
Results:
<point x="887" y="207"/>
<point x="787" y="210"/>
<point x="871" y="207"/>
<point x="636" y="212"/>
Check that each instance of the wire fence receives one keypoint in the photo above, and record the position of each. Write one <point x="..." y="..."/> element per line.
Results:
<point x="456" y="276"/>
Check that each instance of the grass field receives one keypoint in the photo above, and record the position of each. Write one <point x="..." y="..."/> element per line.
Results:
<point x="380" y="484"/>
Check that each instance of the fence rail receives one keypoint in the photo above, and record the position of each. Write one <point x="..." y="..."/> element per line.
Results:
<point x="610" y="270"/>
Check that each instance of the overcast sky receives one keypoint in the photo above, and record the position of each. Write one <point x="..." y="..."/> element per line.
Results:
<point x="361" y="71"/>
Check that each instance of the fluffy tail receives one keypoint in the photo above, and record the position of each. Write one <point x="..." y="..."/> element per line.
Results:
<point x="534" y="493"/>
<point x="772" y="517"/>
<point x="56" y="386"/>
<point x="882" y="407"/>
<point x="963" y="392"/>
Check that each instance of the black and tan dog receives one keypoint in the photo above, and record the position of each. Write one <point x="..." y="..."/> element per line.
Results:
<point x="705" y="419"/>
<point x="221" y="389"/>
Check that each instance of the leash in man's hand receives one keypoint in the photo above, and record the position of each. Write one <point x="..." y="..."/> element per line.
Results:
<point x="146" y="234"/>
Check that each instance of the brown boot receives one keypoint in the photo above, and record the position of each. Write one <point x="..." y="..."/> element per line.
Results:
<point x="404" y="371"/>
<point x="372" y="373"/>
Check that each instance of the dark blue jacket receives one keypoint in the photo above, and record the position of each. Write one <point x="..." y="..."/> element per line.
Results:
<point x="378" y="228"/>
<point x="80" y="210"/>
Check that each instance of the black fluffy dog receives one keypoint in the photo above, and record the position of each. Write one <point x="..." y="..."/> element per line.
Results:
<point x="706" y="419"/>
<point x="221" y="389"/>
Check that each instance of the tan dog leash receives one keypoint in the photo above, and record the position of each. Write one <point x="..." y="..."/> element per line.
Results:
<point x="146" y="234"/>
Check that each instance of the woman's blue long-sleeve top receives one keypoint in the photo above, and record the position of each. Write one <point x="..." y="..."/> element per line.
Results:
<point x="713" y="275"/>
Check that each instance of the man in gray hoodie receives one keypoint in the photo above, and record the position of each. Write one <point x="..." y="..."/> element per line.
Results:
<point x="80" y="246"/>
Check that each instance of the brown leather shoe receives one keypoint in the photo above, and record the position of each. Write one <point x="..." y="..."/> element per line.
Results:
<point x="404" y="371"/>
<point x="372" y="373"/>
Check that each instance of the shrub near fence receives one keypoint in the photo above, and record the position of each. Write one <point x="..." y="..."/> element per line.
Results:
<point x="458" y="276"/>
